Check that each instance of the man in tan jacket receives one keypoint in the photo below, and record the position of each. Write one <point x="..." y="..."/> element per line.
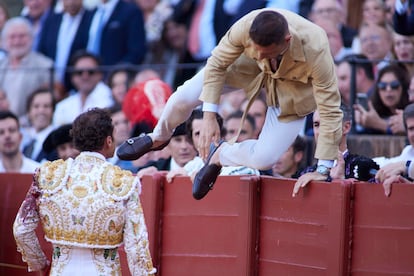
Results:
<point x="272" y="48"/>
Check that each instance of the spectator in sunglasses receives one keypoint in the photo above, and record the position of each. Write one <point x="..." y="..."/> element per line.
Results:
<point x="91" y="91"/>
<point x="397" y="121"/>
<point x="390" y="97"/>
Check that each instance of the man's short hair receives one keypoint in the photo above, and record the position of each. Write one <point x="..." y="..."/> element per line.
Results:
<point x="197" y="114"/>
<point x="16" y="21"/>
<point x="238" y="114"/>
<point x="8" y="114"/>
<point x="408" y="113"/>
<point x="80" y="54"/>
<point x="299" y="144"/>
<point x="180" y="130"/>
<point x="269" y="27"/>
<point x="91" y="128"/>
<point x="361" y="62"/>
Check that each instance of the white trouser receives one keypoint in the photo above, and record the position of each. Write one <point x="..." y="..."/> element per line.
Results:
<point x="274" y="139"/>
<point x="84" y="262"/>
<point x="179" y="107"/>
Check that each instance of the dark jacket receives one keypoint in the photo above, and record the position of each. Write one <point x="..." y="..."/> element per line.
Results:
<point x="161" y="164"/>
<point x="123" y="37"/>
<point x="404" y="23"/>
<point x="49" y="38"/>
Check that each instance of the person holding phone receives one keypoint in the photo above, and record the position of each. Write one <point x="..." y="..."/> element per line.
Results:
<point x="362" y="99"/>
<point x="390" y="97"/>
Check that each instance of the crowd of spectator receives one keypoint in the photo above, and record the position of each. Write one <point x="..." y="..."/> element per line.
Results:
<point x="58" y="58"/>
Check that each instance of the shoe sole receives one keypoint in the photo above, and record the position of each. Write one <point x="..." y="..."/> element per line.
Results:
<point x="134" y="148"/>
<point x="206" y="177"/>
<point x="203" y="184"/>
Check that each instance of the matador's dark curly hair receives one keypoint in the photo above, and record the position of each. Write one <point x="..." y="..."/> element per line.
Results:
<point x="90" y="129"/>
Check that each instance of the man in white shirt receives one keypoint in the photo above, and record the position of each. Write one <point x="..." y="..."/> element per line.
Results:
<point x="399" y="169"/>
<point x="91" y="91"/>
<point x="408" y="152"/>
<point x="193" y="129"/>
<point x="12" y="159"/>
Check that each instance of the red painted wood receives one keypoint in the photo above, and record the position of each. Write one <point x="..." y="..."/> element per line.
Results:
<point x="383" y="231"/>
<point x="151" y="200"/>
<point x="293" y="231"/>
<point x="211" y="236"/>
<point x="252" y="226"/>
<point x="13" y="190"/>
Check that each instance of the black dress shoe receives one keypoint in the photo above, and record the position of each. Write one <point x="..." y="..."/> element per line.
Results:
<point x="136" y="147"/>
<point x="205" y="178"/>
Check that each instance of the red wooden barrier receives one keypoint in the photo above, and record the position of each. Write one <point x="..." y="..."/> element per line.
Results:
<point x="252" y="226"/>
<point x="13" y="190"/>
<point x="213" y="236"/>
<point x="383" y="231"/>
<point x="306" y="235"/>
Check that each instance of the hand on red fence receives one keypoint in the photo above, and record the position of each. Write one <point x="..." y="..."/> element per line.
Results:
<point x="390" y="170"/>
<point x="387" y="184"/>
<point x="305" y="179"/>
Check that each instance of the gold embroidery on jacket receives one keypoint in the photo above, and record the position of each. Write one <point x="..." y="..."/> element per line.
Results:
<point x="79" y="213"/>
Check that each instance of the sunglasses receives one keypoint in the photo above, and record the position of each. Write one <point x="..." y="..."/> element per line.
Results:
<point x="393" y="85"/>
<point x="89" y="72"/>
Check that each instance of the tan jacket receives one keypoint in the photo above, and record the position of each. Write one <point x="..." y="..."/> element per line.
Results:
<point x="304" y="81"/>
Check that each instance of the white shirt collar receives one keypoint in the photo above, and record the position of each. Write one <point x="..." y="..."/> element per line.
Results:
<point x="67" y="17"/>
<point x="174" y="165"/>
<point x="108" y="7"/>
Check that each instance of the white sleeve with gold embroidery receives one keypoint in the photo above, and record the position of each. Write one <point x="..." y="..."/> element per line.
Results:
<point x="24" y="233"/>
<point x="136" y="238"/>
